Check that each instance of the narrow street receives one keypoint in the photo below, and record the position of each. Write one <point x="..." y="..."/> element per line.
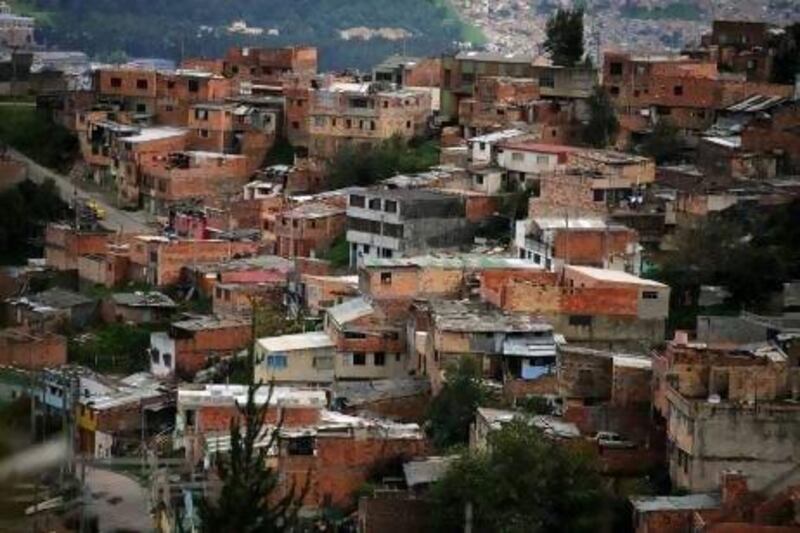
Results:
<point x="115" y="219"/>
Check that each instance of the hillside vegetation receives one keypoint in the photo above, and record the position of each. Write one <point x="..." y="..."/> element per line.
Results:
<point x="170" y="28"/>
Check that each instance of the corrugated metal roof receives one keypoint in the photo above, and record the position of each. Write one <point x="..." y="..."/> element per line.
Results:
<point x="646" y="504"/>
<point x="350" y="310"/>
<point x="756" y="103"/>
<point x="455" y="262"/>
<point x="425" y="471"/>
<point x="300" y="341"/>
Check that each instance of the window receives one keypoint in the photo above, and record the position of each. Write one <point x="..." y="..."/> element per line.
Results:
<point x="386" y="253"/>
<point x="478" y="179"/>
<point x="393" y="230"/>
<point x="359" y="359"/>
<point x="375" y="204"/>
<point x="203" y="134"/>
<point x="649" y="295"/>
<point x="190" y="418"/>
<point x="141" y="108"/>
<point x="167" y="358"/>
<point x="295" y="125"/>
<point x="154" y="356"/>
<point x="171" y="84"/>
<point x="300" y="446"/>
<point x="467" y="77"/>
<point x="386" y="104"/>
<point x="447" y="77"/>
<point x="277" y="361"/>
<point x="372" y="125"/>
<point x="348" y="123"/>
<point x="141" y="84"/>
<point x="542" y="159"/>
<point x="614" y="90"/>
<point x="677" y="90"/>
<point x="379" y="359"/>
<point x="615" y="69"/>
<point x="319" y="121"/>
<point x="359" y="103"/>
<point x="547" y="80"/>
<point x="386" y="278"/>
<point x="580" y="320"/>
<point x="356" y="200"/>
<point x="201" y="114"/>
<point x="408" y="124"/>
<point x="390" y="206"/>
<point x="598" y="195"/>
<point x="537" y="259"/>
<point x="323" y="362"/>
<point x="116" y="82"/>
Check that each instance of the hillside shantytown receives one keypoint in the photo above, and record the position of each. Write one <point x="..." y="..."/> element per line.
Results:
<point x="537" y="291"/>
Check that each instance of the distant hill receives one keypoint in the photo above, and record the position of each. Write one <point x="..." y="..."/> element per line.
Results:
<point x="169" y="28"/>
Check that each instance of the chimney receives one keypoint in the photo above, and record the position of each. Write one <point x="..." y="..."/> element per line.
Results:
<point x="734" y="487"/>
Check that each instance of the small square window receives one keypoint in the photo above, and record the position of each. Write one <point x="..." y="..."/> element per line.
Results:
<point x="141" y="84"/>
<point x="116" y="82"/>
<point x="649" y="295"/>
<point x="379" y="359"/>
<point x="359" y="359"/>
<point x="678" y="90"/>
<point x="614" y="90"/>
<point x="386" y="278"/>
<point x="580" y="320"/>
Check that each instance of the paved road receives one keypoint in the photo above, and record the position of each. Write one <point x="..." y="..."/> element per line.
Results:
<point x="115" y="219"/>
<point x="118" y="502"/>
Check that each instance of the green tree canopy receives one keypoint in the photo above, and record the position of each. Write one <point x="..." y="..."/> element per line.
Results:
<point x="564" y="39"/>
<point x="750" y="252"/>
<point x="249" y="501"/>
<point x="786" y="64"/>
<point x="524" y="482"/>
<point x="453" y="409"/>
<point x="603" y="126"/>
<point x="365" y="165"/>
<point x="664" y="144"/>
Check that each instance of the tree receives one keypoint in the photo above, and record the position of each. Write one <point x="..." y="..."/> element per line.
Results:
<point x="453" y="409"/>
<point x="564" y="38"/>
<point x="365" y="165"/>
<point x="786" y="64"/>
<point x="523" y="482"/>
<point x="602" y="128"/>
<point x="664" y="144"/>
<point x="249" y="501"/>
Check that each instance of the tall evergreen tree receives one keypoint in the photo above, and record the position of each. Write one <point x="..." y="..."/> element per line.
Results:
<point x="565" y="37"/>
<point x="602" y="128"/>
<point x="249" y="501"/>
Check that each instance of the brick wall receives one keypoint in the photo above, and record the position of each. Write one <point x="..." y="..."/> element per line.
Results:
<point x="342" y="465"/>
<point x="217" y="418"/>
<point x="32" y="350"/>
<point x="192" y="354"/>
<point x="395" y="512"/>
<point x="559" y="194"/>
